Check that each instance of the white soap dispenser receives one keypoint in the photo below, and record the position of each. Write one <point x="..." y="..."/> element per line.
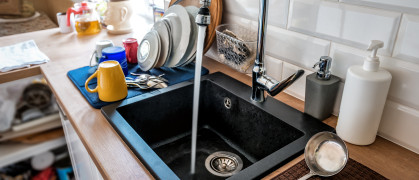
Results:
<point x="363" y="99"/>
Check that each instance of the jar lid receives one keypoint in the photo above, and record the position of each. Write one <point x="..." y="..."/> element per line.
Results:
<point x="129" y="40"/>
<point x="113" y="50"/>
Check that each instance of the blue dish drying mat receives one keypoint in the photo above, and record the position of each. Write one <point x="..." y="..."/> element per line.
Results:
<point x="173" y="75"/>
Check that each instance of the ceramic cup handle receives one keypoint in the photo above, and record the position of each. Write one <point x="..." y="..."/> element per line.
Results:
<point x="92" y="57"/>
<point x="87" y="83"/>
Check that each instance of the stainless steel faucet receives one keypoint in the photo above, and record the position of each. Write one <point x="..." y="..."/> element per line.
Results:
<point x="203" y="18"/>
<point x="260" y="81"/>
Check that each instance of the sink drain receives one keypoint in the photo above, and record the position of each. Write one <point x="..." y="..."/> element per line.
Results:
<point x="223" y="164"/>
<point x="227" y="103"/>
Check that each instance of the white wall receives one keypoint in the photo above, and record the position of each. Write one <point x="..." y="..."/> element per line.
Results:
<point x="300" y="31"/>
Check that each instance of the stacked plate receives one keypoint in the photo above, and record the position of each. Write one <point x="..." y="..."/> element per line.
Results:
<point x="172" y="40"/>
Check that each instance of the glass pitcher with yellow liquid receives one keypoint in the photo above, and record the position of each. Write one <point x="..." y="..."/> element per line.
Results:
<point x="86" y="18"/>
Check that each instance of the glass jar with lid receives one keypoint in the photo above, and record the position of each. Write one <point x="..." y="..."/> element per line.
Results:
<point x="86" y="18"/>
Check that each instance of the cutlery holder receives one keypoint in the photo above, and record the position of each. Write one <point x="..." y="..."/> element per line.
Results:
<point x="236" y="46"/>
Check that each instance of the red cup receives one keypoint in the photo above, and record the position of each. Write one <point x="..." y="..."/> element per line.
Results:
<point x="131" y="46"/>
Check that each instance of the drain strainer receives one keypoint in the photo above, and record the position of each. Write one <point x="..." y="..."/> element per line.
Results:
<point x="223" y="164"/>
<point x="227" y="103"/>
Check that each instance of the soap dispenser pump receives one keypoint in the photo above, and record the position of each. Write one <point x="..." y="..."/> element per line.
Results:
<point x="363" y="99"/>
<point x="372" y="63"/>
<point x="321" y="90"/>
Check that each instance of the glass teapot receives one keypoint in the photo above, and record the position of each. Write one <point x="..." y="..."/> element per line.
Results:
<point x="86" y="18"/>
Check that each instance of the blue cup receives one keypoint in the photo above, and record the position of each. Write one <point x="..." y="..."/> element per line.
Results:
<point x="116" y="53"/>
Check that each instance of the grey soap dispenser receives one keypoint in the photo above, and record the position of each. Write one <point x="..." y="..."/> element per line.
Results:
<point x="321" y="90"/>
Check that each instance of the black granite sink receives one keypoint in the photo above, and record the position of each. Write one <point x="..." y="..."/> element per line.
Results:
<point x="157" y="127"/>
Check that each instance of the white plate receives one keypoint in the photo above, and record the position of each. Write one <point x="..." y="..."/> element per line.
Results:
<point x="192" y="11"/>
<point x="167" y="23"/>
<point x="148" y="51"/>
<point x="174" y="23"/>
<point x="158" y="48"/>
<point x="181" y="30"/>
<point x="190" y="59"/>
<point x="165" y="50"/>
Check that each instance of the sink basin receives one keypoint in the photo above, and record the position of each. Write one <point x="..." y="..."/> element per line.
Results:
<point x="157" y="127"/>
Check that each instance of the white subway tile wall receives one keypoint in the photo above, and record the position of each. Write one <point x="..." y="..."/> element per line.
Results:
<point x="295" y="47"/>
<point x="300" y="31"/>
<point x="343" y="58"/>
<point x="273" y="67"/>
<point x="229" y="18"/>
<point x="404" y="86"/>
<point x="347" y="24"/>
<point x="407" y="45"/>
<point x="297" y="89"/>
<point x="409" y="6"/>
<point x="278" y="12"/>
<point x="400" y="125"/>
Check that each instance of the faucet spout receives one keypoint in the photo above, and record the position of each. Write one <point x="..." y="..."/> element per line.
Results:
<point x="260" y="81"/>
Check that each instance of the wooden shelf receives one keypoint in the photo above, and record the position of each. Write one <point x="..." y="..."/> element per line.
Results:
<point x="15" y="152"/>
<point x="19" y="73"/>
<point x="39" y="128"/>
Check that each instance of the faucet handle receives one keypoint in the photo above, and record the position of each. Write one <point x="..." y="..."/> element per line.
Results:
<point x="285" y="83"/>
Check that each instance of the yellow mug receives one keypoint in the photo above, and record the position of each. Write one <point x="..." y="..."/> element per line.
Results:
<point x="111" y="84"/>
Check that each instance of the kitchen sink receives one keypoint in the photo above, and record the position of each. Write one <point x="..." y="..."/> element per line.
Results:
<point x="157" y="127"/>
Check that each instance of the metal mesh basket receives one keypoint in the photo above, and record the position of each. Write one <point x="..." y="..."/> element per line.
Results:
<point x="236" y="46"/>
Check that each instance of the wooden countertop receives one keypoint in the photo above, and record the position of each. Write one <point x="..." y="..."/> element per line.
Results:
<point x="112" y="156"/>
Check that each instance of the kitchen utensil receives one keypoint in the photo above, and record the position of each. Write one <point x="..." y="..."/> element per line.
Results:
<point x="100" y="45"/>
<point x="146" y="81"/>
<point x="236" y="46"/>
<point x="149" y="50"/>
<point x="216" y="11"/>
<point x="325" y="154"/>
<point x="181" y="29"/>
<point x="62" y="23"/>
<point x="116" y="53"/>
<point x="131" y="46"/>
<point x="85" y="17"/>
<point x="156" y="84"/>
<point x="143" y="78"/>
<point x="165" y="38"/>
<point x="110" y="82"/>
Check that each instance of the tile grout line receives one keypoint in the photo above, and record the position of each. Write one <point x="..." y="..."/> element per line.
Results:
<point x="288" y="14"/>
<point x="397" y="35"/>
